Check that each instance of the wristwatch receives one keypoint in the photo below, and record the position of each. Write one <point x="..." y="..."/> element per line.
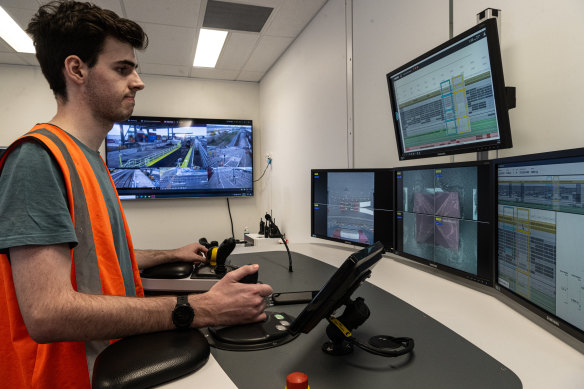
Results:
<point x="183" y="314"/>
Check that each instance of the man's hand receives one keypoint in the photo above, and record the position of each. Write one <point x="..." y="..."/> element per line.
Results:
<point x="194" y="253"/>
<point x="230" y="302"/>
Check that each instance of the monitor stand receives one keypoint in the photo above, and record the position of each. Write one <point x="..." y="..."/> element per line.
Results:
<point x="269" y="333"/>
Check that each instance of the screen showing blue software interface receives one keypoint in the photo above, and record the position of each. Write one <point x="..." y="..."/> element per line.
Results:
<point x="448" y="99"/>
<point x="541" y="235"/>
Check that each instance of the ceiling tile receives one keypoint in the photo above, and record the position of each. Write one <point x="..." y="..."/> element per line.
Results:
<point x="168" y="45"/>
<point x="112" y="5"/>
<point x="216" y="74"/>
<point x="237" y="50"/>
<point x="5" y="48"/>
<point x="27" y="4"/>
<point x="266" y="53"/>
<point x="29" y="58"/>
<point x="250" y="76"/>
<point x="183" y="13"/>
<point x="165" y="70"/>
<point x="291" y="18"/>
<point x="12" y="59"/>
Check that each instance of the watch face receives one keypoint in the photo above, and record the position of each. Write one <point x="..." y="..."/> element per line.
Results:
<point x="182" y="316"/>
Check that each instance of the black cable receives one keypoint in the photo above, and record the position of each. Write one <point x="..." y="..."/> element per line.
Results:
<point x="267" y="166"/>
<point x="230" y="218"/>
<point x="406" y="343"/>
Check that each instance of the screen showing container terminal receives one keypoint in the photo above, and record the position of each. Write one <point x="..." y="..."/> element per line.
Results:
<point x="540" y="235"/>
<point x="447" y="99"/>
<point x="162" y="156"/>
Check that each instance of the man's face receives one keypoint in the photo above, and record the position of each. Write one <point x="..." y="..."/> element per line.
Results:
<point x="113" y="82"/>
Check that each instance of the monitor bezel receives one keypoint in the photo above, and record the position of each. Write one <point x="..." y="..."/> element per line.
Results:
<point x="377" y="211"/>
<point x="488" y="238"/>
<point x="499" y="94"/>
<point x="548" y="317"/>
<point x="145" y="193"/>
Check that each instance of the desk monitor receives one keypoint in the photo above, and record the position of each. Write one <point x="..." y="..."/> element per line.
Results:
<point x="451" y="99"/>
<point x="444" y="218"/>
<point x="338" y="289"/>
<point x="163" y="157"/>
<point x="540" y="239"/>
<point x="353" y="206"/>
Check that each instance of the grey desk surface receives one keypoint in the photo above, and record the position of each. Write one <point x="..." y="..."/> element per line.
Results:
<point x="441" y="359"/>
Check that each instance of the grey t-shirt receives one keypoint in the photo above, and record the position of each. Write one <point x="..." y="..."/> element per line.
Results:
<point x="34" y="208"/>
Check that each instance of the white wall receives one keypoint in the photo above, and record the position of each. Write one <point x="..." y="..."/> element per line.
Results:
<point x="26" y="100"/>
<point x="387" y="34"/>
<point x="304" y="118"/>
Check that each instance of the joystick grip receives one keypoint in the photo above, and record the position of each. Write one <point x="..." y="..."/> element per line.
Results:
<point x="250" y="278"/>
<point x="218" y="255"/>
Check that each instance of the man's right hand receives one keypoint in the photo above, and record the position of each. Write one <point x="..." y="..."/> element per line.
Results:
<point x="230" y="302"/>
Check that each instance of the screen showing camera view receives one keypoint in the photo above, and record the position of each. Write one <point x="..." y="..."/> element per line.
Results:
<point x="540" y="235"/>
<point x="158" y="156"/>
<point x="350" y="206"/>
<point x="440" y="221"/>
<point x="353" y="206"/>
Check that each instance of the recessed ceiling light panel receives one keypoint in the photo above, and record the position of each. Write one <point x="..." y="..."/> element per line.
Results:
<point x="209" y="47"/>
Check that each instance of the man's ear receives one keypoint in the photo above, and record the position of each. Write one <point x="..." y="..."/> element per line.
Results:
<point x="75" y="70"/>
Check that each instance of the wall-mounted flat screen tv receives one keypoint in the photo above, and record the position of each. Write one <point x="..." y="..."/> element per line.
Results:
<point x="353" y="206"/>
<point x="444" y="218"/>
<point x="162" y="157"/>
<point x="540" y="239"/>
<point x="451" y="99"/>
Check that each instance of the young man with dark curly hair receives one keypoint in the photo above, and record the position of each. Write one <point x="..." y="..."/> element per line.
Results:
<point x="69" y="276"/>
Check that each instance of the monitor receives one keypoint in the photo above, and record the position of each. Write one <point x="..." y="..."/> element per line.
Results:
<point x="353" y="206"/>
<point x="164" y="157"/>
<point x="451" y="99"/>
<point x="444" y="218"/>
<point x="338" y="289"/>
<point x="540" y="238"/>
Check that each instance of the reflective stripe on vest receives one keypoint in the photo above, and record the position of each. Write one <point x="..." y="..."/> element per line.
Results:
<point x="94" y="270"/>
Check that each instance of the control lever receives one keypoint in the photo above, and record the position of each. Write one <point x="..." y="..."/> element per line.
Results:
<point x="250" y="278"/>
<point x="218" y="255"/>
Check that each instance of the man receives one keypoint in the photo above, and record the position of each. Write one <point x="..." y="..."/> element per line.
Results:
<point x="69" y="277"/>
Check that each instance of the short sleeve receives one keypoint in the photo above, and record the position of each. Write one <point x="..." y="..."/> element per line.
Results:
<point x="33" y="200"/>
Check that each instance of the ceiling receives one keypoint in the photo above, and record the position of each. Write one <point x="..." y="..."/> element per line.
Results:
<point x="172" y="27"/>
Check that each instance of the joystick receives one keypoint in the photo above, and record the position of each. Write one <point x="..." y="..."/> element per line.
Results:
<point x="218" y="255"/>
<point x="250" y="278"/>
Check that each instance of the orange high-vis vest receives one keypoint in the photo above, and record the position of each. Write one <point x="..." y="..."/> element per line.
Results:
<point x="94" y="269"/>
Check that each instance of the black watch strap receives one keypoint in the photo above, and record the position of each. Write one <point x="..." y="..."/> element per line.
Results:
<point x="183" y="314"/>
<point x="182" y="300"/>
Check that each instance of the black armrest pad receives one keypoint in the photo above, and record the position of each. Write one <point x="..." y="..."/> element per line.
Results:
<point x="143" y="361"/>
<point x="169" y="270"/>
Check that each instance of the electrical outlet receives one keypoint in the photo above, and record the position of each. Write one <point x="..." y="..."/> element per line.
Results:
<point x="268" y="158"/>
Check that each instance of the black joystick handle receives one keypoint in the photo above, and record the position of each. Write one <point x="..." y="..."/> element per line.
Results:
<point x="220" y="255"/>
<point x="203" y="241"/>
<point x="250" y="278"/>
